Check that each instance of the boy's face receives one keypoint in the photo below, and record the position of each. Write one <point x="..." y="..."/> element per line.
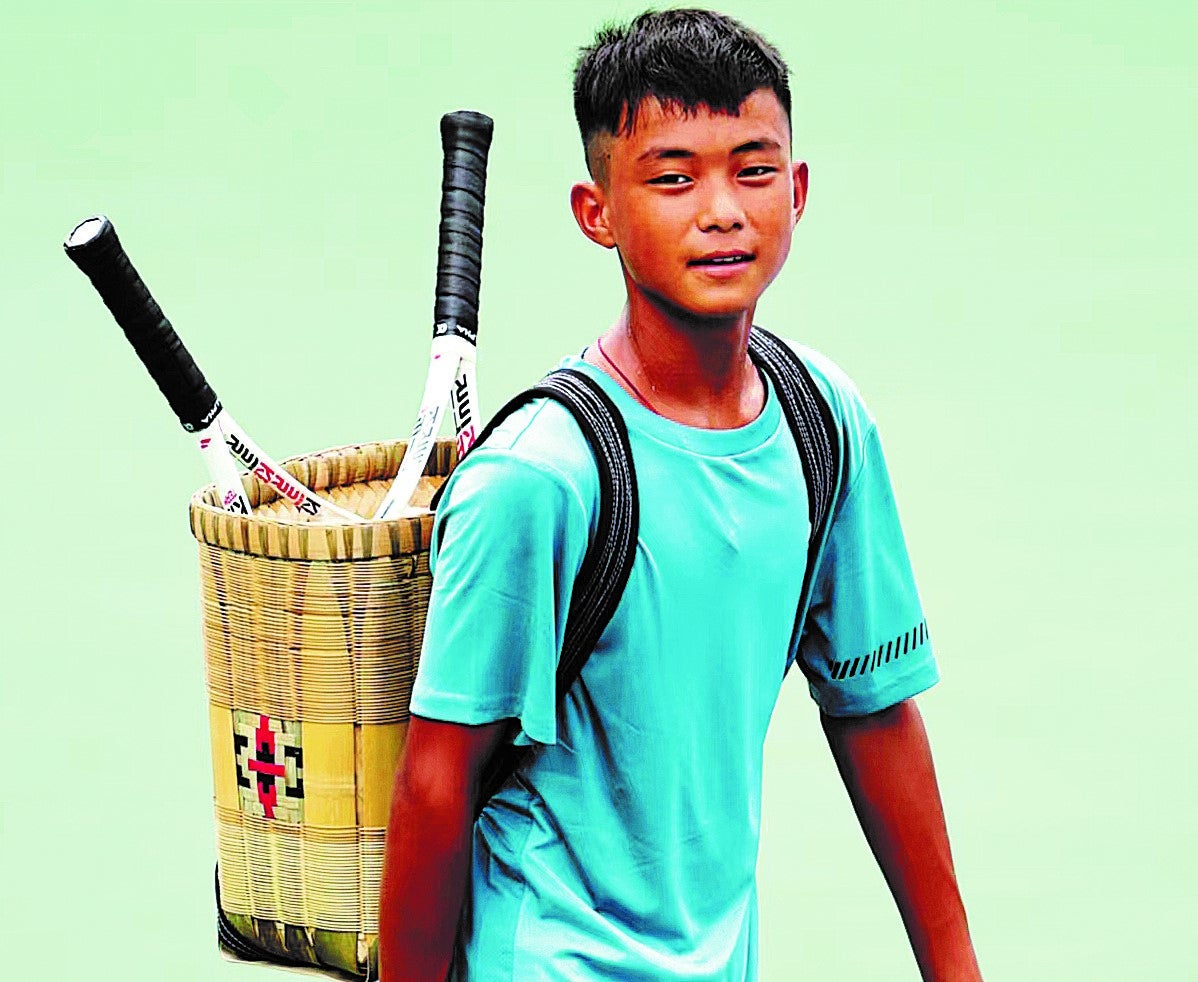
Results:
<point x="701" y="208"/>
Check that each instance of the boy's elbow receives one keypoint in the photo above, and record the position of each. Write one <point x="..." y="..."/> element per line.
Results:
<point x="432" y="799"/>
<point x="436" y="782"/>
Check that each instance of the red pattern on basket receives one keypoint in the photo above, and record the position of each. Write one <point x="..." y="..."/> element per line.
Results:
<point x="269" y="766"/>
<point x="264" y="765"/>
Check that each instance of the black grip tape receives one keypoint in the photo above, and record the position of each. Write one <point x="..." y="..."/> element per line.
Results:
<point x="466" y="139"/>
<point x="155" y="341"/>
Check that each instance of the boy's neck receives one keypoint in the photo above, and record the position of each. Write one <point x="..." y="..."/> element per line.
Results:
<point x="695" y="371"/>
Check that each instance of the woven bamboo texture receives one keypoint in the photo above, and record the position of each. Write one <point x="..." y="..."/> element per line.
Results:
<point x="311" y="635"/>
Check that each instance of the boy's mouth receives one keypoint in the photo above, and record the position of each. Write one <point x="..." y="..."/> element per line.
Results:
<point x="723" y="259"/>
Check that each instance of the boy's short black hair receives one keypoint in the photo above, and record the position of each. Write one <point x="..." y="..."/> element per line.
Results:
<point x="686" y="58"/>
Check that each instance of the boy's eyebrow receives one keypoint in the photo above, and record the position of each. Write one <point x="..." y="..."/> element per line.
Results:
<point x="762" y="143"/>
<point x="675" y="153"/>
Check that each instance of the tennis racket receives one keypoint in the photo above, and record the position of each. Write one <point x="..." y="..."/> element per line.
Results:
<point x="465" y="140"/>
<point x="94" y="247"/>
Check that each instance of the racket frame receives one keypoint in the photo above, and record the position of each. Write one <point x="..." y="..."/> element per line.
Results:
<point x="450" y="381"/>
<point x="452" y="377"/>
<point x="221" y="441"/>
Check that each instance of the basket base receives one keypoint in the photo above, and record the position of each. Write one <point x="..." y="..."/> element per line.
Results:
<point x="327" y="954"/>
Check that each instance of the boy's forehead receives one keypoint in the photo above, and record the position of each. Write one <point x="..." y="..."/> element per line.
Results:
<point x="760" y="116"/>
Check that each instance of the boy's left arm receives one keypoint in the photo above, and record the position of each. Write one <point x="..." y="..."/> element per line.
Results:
<point x="886" y="764"/>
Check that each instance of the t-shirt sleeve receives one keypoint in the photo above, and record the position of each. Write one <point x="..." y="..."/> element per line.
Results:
<point x="509" y="538"/>
<point x="865" y="643"/>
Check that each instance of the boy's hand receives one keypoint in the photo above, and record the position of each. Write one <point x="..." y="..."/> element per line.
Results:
<point x="886" y="764"/>
<point x="426" y="868"/>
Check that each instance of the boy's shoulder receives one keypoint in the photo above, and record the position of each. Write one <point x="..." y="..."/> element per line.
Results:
<point x="835" y="384"/>
<point x="853" y="417"/>
<point x="536" y="444"/>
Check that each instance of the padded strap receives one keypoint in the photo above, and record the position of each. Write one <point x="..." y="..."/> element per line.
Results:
<point x="607" y="562"/>
<point x="818" y="439"/>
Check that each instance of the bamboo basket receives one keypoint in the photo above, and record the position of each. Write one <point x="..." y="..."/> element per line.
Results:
<point x="311" y="635"/>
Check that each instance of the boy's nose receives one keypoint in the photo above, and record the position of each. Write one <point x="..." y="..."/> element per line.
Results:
<point x="721" y="212"/>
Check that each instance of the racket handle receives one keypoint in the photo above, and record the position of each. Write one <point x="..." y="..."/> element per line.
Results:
<point x="465" y="139"/>
<point x="94" y="247"/>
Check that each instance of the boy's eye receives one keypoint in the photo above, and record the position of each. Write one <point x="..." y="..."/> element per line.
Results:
<point x="760" y="170"/>
<point x="670" y="180"/>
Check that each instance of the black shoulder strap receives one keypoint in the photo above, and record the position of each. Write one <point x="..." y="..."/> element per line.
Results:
<point x="607" y="563"/>
<point x="818" y="438"/>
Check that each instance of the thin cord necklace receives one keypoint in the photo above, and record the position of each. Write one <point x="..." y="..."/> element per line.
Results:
<point x="637" y="392"/>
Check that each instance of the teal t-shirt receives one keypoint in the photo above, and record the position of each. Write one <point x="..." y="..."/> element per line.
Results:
<point x="627" y="847"/>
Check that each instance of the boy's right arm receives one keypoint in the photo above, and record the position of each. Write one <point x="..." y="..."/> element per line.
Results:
<point x="426" y="866"/>
<point x="510" y="535"/>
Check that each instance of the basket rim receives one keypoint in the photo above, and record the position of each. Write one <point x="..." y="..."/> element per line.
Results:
<point x="212" y="525"/>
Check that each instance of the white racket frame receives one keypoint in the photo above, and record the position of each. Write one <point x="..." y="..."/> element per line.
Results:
<point x="223" y="442"/>
<point x="451" y="380"/>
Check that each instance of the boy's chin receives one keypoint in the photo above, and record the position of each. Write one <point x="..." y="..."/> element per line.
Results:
<point x="716" y="311"/>
<point x="716" y="304"/>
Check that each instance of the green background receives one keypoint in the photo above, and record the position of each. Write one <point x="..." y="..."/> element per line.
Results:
<point x="996" y="248"/>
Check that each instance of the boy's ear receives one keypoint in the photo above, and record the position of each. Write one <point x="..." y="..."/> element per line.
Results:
<point x="799" y="172"/>
<point x="589" y="204"/>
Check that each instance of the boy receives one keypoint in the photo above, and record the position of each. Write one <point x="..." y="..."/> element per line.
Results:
<point x="626" y="848"/>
